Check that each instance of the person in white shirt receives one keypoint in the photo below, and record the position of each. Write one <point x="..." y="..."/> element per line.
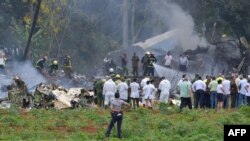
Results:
<point x="220" y="93"/>
<point x="227" y="90"/>
<point x="109" y="89"/>
<point x="164" y="87"/>
<point x="143" y="83"/>
<point x="122" y="87"/>
<point x="242" y="91"/>
<point x="168" y="60"/>
<point x="199" y="88"/>
<point x="134" y="86"/>
<point x="247" y="87"/>
<point x="149" y="91"/>
<point x="183" y="63"/>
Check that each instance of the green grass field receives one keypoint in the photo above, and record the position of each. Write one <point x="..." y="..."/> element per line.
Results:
<point x="138" y="125"/>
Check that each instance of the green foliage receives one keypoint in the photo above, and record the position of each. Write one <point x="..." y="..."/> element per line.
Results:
<point x="138" y="125"/>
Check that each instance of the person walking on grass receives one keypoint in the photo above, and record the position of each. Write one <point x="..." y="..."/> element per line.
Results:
<point x="185" y="93"/>
<point x="117" y="115"/>
<point x="135" y="93"/>
<point x="220" y="92"/>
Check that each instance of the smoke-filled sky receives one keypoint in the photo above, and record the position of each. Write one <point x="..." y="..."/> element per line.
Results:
<point x="175" y="18"/>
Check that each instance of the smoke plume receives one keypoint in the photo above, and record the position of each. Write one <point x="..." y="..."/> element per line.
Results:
<point x="175" y="18"/>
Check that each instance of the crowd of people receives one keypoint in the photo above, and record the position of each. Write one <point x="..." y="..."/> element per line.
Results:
<point x="212" y="92"/>
<point x="221" y="92"/>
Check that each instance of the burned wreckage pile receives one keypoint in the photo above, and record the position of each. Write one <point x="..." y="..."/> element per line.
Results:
<point x="47" y="96"/>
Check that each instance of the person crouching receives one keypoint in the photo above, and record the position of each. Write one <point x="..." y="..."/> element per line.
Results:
<point x="116" y="114"/>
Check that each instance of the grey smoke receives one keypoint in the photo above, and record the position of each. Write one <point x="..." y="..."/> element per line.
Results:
<point x="175" y="18"/>
<point x="28" y="73"/>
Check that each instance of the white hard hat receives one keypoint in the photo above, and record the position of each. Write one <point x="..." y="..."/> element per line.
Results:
<point x="111" y="70"/>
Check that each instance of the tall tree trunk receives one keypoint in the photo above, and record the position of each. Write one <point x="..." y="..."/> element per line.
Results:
<point x="133" y="21"/>
<point x="32" y="29"/>
<point x="125" y="24"/>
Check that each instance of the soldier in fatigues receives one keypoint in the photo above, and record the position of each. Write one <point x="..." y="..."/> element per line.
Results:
<point x="67" y="67"/>
<point x="98" y="89"/>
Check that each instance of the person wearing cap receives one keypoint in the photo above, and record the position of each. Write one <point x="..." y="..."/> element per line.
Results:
<point x="117" y="79"/>
<point x="53" y="67"/>
<point x="145" y="62"/>
<point x="109" y="89"/>
<point x="40" y="64"/>
<point x="67" y="66"/>
<point x="112" y="73"/>
<point x="117" y="115"/>
<point x="152" y="60"/>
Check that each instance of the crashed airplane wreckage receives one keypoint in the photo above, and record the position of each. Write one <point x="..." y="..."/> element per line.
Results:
<point x="48" y="96"/>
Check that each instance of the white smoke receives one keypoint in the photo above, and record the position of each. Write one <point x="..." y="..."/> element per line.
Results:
<point x="174" y="17"/>
<point x="27" y="73"/>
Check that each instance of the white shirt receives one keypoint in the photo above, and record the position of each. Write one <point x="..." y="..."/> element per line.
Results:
<point x="1" y="61"/>
<point x="122" y="87"/>
<point x="226" y="86"/>
<point x="242" y="85"/>
<point x="134" y="90"/>
<point x="109" y="87"/>
<point x="237" y="81"/>
<point x="248" y="89"/>
<point x="165" y="86"/>
<point x="144" y="81"/>
<point x="199" y="85"/>
<point x="220" y="89"/>
<point x="149" y="91"/>
<point x="183" y="61"/>
<point x="168" y="59"/>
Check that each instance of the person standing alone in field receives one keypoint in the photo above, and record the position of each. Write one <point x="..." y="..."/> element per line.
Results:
<point x="117" y="115"/>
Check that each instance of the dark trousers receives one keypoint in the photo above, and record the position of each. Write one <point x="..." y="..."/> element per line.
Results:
<point x="151" y="71"/>
<point x="135" y="71"/>
<point x="233" y="99"/>
<point x="248" y="100"/>
<point x="116" y="117"/>
<point x="186" y="101"/>
<point x="199" y="99"/>
<point x="207" y="99"/>
<point x="225" y="101"/>
<point x="145" y="69"/>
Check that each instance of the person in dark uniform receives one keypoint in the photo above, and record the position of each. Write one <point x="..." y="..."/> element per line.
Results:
<point x="135" y="61"/>
<point x="116" y="114"/>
